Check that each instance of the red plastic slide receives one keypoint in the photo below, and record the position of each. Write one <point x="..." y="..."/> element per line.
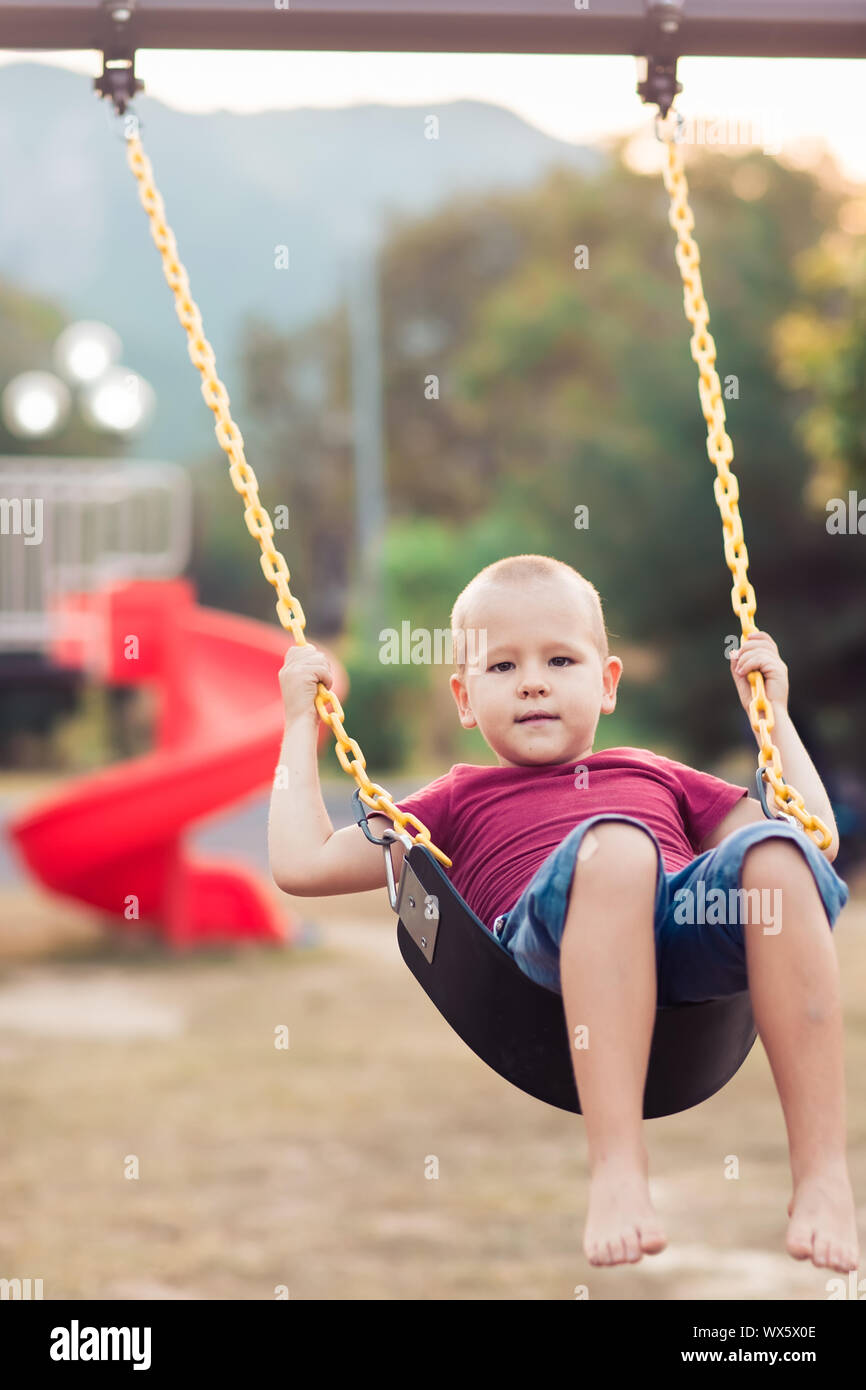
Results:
<point x="114" y="839"/>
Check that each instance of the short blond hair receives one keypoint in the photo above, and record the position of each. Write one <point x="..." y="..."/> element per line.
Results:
<point x="517" y="569"/>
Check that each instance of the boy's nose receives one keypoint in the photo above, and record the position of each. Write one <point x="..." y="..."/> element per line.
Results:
<point x="534" y="685"/>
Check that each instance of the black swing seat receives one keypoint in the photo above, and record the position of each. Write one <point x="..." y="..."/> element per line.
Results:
<point x="518" y="1027"/>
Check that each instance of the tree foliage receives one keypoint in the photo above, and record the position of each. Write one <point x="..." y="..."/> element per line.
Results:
<point x="525" y="378"/>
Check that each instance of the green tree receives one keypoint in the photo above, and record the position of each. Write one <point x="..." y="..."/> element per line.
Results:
<point x="820" y="347"/>
<point x="564" y="386"/>
<point x="525" y="380"/>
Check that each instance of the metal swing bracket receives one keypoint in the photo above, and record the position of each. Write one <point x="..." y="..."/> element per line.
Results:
<point x="417" y="909"/>
<point x="118" y="80"/>
<point x="659" y="85"/>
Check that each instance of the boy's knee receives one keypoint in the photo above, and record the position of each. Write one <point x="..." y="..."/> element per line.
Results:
<point x="772" y="854"/>
<point x="619" y="847"/>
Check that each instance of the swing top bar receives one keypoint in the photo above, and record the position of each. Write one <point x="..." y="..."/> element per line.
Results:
<point x="722" y="28"/>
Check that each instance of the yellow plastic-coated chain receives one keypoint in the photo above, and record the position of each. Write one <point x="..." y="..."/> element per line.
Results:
<point x="259" y="525"/>
<point x="721" y="452"/>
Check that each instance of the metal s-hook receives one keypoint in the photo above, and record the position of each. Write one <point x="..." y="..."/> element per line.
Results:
<point x="677" y="134"/>
<point x="763" y="793"/>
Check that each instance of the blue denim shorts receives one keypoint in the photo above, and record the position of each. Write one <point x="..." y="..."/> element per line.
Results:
<point x="699" y="920"/>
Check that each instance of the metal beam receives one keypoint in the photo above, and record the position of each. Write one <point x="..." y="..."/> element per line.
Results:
<point x="726" y="28"/>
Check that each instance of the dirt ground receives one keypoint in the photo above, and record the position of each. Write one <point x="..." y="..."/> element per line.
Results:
<point x="306" y="1167"/>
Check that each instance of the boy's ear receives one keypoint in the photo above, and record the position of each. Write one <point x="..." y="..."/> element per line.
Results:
<point x="612" y="673"/>
<point x="461" y="698"/>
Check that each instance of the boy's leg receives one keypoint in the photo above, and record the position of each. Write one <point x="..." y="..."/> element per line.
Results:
<point x="608" y="976"/>
<point x="794" y="984"/>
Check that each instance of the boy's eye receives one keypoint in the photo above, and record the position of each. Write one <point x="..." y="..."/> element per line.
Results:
<point x="554" y="661"/>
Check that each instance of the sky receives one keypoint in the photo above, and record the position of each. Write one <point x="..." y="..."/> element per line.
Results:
<point x="790" y="106"/>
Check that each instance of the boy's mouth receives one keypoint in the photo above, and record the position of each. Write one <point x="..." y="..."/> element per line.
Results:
<point x="535" y="716"/>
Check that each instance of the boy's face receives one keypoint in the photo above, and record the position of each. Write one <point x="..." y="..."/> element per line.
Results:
<point x="538" y="695"/>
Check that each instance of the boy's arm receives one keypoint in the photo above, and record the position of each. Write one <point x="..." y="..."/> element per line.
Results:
<point x="345" y="862"/>
<point x="760" y="653"/>
<point x="746" y="811"/>
<point x="307" y="856"/>
<point x="801" y="773"/>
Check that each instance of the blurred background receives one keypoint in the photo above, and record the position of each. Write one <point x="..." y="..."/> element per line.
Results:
<point x="425" y="383"/>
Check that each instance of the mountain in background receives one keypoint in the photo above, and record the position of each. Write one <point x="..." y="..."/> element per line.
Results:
<point x="235" y="187"/>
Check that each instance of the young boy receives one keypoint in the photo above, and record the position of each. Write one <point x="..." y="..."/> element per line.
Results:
<point x="584" y="864"/>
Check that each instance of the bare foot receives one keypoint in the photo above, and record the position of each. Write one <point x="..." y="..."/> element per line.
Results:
<point x="823" y="1225"/>
<point x="621" y="1225"/>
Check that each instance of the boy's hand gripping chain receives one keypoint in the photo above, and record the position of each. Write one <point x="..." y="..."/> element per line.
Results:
<point x="721" y="452"/>
<point x="274" y="567"/>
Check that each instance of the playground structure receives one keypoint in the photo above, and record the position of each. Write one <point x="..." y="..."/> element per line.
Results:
<point x="724" y="28"/>
<point x="73" y="524"/>
<point x="99" y="595"/>
<point x="99" y="520"/>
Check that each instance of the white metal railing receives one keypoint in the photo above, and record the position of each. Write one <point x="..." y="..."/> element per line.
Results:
<point x="73" y="525"/>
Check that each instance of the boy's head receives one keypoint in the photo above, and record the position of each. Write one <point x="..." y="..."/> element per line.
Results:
<point x="533" y="668"/>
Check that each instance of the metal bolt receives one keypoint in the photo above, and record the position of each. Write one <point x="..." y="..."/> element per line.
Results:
<point x="424" y="941"/>
<point x="411" y="901"/>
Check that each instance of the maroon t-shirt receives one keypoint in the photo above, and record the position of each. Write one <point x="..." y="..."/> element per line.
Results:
<point x="499" y="824"/>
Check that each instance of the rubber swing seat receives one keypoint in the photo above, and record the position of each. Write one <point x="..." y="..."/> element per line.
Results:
<point x="518" y="1027"/>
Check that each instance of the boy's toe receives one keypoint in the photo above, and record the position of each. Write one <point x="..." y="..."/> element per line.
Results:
<point x="652" y="1238"/>
<point x="633" y="1251"/>
<point x="799" y="1242"/>
<point x="822" y="1253"/>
